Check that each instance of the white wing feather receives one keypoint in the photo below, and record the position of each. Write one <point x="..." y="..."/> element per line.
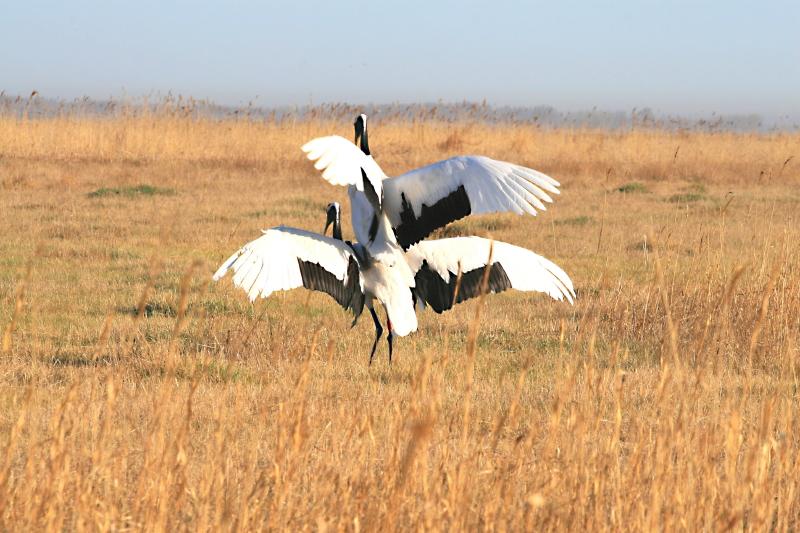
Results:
<point x="526" y="270"/>
<point x="491" y="186"/>
<point x="341" y="162"/>
<point x="270" y="263"/>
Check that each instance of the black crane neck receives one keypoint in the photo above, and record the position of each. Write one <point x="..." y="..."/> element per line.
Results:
<point x="337" y="228"/>
<point x="365" y="142"/>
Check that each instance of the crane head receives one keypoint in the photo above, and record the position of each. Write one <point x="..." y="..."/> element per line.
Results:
<point x="333" y="217"/>
<point x="360" y="126"/>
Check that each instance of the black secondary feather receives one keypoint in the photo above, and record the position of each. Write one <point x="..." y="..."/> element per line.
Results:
<point x="438" y="293"/>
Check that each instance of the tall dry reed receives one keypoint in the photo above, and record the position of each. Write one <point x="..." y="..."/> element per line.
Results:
<point x="137" y="396"/>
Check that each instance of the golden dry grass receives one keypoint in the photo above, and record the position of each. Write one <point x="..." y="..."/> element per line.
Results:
<point x="137" y="396"/>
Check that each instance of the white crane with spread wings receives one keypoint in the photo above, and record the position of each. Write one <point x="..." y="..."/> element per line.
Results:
<point x="285" y="258"/>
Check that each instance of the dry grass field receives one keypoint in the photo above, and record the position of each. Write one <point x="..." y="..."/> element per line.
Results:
<point x="137" y="395"/>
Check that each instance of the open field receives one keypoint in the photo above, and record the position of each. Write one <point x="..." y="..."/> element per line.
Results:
<point x="136" y="395"/>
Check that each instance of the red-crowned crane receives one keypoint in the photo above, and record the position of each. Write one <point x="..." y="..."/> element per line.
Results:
<point x="285" y="258"/>
<point x="392" y="214"/>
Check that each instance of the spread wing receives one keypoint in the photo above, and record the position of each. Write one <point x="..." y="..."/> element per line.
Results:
<point x="343" y="163"/>
<point x="286" y="258"/>
<point x="437" y="263"/>
<point x="430" y="197"/>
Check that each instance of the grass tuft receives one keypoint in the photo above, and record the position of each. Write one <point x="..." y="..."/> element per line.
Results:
<point x="685" y="198"/>
<point x="574" y="221"/>
<point x="136" y="395"/>
<point x="633" y="187"/>
<point x="131" y="192"/>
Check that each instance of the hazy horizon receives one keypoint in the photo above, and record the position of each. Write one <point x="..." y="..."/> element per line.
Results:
<point x="677" y="58"/>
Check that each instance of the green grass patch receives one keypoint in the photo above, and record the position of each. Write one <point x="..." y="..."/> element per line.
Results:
<point x="292" y="208"/>
<point x="151" y="309"/>
<point x="131" y="192"/>
<point x="77" y="360"/>
<point x="631" y="188"/>
<point x="574" y="221"/>
<point x="471" y="226"/>
<point x="118" y="254"/>
<point x="641" y="246"/>
<point x="685" y="198"/>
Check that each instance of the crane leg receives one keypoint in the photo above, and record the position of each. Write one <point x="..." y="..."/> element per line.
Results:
<point x="389" y="338"/>
<point x="378" y="332"/>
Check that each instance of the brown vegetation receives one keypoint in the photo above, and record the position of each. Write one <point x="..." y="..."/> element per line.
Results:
<point x="138" y="396"/>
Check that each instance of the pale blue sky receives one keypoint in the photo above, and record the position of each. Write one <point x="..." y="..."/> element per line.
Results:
<point x="684" y="57"/>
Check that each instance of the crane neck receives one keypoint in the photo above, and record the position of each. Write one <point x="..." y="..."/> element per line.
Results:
<point x="364" y="141"/>
<point x="337" y="227"/>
